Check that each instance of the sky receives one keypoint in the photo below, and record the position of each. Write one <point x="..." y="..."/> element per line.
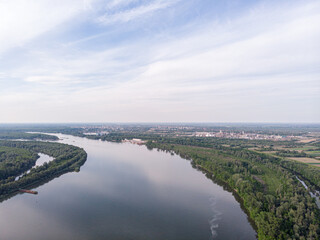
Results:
<point x="159" y="61"/>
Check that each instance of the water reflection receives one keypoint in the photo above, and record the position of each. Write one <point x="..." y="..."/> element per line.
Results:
<point x="125" y="191"/>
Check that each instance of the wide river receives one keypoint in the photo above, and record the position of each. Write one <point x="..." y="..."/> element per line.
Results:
<point x="125" y="191"/>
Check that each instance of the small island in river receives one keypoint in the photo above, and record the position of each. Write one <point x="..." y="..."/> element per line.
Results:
<point x="18" y="158"/>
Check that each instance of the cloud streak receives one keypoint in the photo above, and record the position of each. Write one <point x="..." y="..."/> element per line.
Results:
<point x="257" y="65"/>
<point x="22" y="21"/>
<point x="127" y="15"/>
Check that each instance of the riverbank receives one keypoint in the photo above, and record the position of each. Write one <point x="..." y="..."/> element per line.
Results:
<point x="67" y="158"/>
<point x="267" y="202"/>
<point x="125" y="191"/>
<point x="226" y="186"/>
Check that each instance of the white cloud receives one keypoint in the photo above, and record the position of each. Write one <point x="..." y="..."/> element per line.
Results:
<point x="116" y="4"/>
<point x="50" y="80"/>
<point x="142" y="10"/>
<point x="23" y="20"/>
<point x="260" y="66"/>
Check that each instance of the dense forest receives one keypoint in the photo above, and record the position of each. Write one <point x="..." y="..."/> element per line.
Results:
<point x="18" y="156"/>
<point x="14" y="134"/>
<point x="279" y="205"/>
<point x="15" y="161"/>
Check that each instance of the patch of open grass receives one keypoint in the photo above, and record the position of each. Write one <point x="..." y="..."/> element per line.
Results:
<point x="271" y="179"/>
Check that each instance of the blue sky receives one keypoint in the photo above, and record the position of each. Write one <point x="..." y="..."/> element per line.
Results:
<point x="159" y="61"/>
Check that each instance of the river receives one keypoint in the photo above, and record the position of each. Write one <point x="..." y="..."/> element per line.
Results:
<point x="126" y="191"/>
<point x="43" y="158"/>
<point x="314" y="195"/>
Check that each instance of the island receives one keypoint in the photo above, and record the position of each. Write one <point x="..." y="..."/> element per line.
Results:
<point x="16" y="157"/>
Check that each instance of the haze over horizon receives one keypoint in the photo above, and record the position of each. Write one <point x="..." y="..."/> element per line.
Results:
<point x="159" y="61"/>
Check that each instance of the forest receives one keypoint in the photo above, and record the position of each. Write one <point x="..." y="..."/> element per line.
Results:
<point x="18" y="156"/>
<point x="279" y="205"/>
<point x="15" y="161"/>
<point x="14" y="134"/>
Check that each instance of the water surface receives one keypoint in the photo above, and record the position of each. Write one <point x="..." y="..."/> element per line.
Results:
<point x="43" y="158"/>
<point x="125" y="191"/>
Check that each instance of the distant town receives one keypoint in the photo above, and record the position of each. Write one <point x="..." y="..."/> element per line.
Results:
<point x="244" y="135"/>
<point x="230" y="132"/>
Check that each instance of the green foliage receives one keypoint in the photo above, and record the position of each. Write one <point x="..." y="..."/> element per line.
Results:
<point x="22" y="155"/>
<point x="15" y="161"/>
<point x="288" y="153"/>
<point x="309" y="173"/>
<point x="7" y="134"/>
<point x="279" y="205"/>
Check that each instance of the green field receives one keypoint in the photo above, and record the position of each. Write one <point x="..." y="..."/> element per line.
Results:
<point x="313" y="153"/>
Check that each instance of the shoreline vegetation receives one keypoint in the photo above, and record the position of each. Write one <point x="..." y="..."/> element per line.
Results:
<point x="18" y="156"/>
<point x="259" y="173"/>
<point x="276" y="202"/>
<point x="15" y="135"/>
<point x="225" y="186"/>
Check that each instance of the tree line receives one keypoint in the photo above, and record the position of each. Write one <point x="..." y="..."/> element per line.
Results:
<point x="7" y="134"/>
<point x="278" y="204"/>
<point x="67" y="158"/>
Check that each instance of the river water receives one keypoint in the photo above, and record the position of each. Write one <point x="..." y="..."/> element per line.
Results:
<point x="43" y="158"/>
<point x="313" y="195"/>
<point x="125" y="191"/>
